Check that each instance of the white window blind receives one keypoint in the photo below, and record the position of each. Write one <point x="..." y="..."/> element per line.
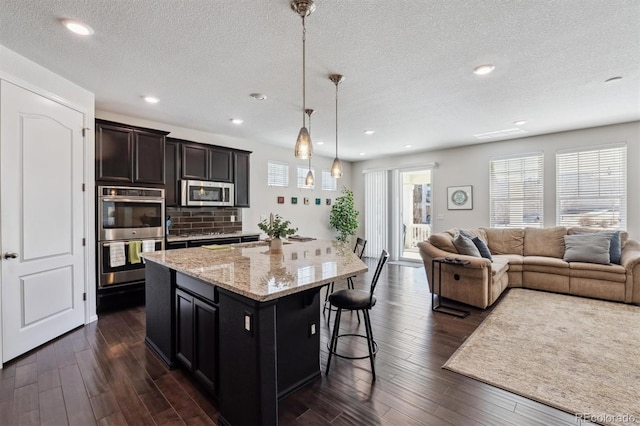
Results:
<point x="277" y="174"/>
<point x="302" y="175"/>
<point x="329" y="183"/>
<point x="591" y="187"/>
<point x="516" y="191"/>
<point x="376" y="205"/>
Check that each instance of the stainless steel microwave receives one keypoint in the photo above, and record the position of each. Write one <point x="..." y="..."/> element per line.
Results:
<point x="197" y="193"/>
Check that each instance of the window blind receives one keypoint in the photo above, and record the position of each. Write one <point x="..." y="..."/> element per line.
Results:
<point x="376" y="204"/>
<point x="329" y="183"/>
<point x="516" y="191"/>
<point x="302" y="175"/>
<point x="591" y="187"/>
<point x="277" y="173"/>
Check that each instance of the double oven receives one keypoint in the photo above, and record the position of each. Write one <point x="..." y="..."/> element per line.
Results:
<point x="129" y="218"/>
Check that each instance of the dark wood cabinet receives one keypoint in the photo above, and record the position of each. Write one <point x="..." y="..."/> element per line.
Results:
<point x="199" y="243"/>
<point x="197" y="337"/>
<point x="172" y="173"/>
<point x="129" y="154"/>
<point x="220" y="165"/>
<point x="113" y="153"/>
<point x="148" y="157"/>
<point x="195" y="162"/>
<point x="241" y="178"/>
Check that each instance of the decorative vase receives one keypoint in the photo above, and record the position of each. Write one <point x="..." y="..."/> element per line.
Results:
<point x="275" y="246"/>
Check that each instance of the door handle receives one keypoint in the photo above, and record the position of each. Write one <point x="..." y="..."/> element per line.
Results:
<point x="10" y="255"/>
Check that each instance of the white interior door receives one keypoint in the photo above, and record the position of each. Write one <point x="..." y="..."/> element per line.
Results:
<point x="42" y="219"/>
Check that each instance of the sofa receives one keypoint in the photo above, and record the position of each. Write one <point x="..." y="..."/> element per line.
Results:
<point x="535" y="258"/>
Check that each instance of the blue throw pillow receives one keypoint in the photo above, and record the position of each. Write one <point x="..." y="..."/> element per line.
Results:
<point x="615" y="244"/>
<point x="482" y="248"/>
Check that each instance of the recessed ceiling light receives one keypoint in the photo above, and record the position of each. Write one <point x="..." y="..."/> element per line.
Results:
<point x="258" y="96"/>
<point x="77" y="27"/>
<point x="408" y="146"/>
<point x="151" y="99"/>
<point x="237" y="120"/>
<point x="320" y="143"/>
<point x="362" y="153"/>
<point x="613" y="79"/>
<point x="483" y="69"/>
<point x="520" y="122"/>
<point x="369" y="132"/>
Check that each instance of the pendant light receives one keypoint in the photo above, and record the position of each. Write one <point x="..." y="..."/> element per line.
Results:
<point x="304" y="147"/>
<point x="336" y="167"/>
<point x="309" y="180"/>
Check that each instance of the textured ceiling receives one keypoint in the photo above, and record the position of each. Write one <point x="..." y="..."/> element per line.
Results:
<point x="407" y="65"/>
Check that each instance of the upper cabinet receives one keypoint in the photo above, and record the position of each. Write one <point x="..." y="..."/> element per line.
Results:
<point x="129" y="154"/>
<point x="172" y="172"/>
<point x="201" y="162"/>
<point x="241" y="178"/>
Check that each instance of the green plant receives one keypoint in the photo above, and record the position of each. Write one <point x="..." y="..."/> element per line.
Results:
<point x="344" y="217"/>
<point x="276" y="227"/>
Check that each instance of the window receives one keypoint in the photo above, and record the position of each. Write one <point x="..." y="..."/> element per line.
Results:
<point x="516" y="191"/>
<point x="302" y="175"/>
<point x="329" y="183"/>
<point x="277" y="174"/>
<point x="591" y="187"/>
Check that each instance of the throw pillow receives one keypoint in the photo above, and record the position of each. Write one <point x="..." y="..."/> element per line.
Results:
<point x="482" y="248"/>
<point x="615" y="247"/>
<point x="464" y="245"/>
<point x="587" y="248"/>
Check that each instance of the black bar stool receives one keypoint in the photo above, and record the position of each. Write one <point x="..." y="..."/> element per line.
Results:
<point x="356" y="300"/>
<point x="359" y="251"/>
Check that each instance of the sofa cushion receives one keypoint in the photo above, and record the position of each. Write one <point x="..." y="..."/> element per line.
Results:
<point x="443" y="241"/>
<point x="615" y="245"/>
<point x="464" y="245"/>
<point x="505" y="241"/>
<point x="624" y="235"/>
<point x="587" y="248"/>
<point x="544" y="241"/>
<point x="482" y="248"/>
<point x="470" y="233"/>
<point x="614" y="273"/>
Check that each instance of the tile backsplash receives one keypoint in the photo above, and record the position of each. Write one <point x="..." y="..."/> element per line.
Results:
<point x="185" y="220"/>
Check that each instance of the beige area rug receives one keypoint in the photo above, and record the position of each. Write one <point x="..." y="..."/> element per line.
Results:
<point x="576" y="354"/>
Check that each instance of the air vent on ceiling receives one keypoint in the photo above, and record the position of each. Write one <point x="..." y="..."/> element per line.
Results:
<point x="500" y="133"/>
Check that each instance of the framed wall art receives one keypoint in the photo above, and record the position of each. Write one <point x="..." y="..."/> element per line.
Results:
<point x="460" y="197"/>
<point x="294" y="200"/>
<point x="318" y="201"/>
<point x="280" y="200"/>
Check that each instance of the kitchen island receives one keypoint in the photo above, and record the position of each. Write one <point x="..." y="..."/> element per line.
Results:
<point x="244" y="321"/>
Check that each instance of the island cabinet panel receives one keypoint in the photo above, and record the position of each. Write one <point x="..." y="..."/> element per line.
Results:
<point x="217" y="241"/>
<point x="172" y="173"/>
<point x="241" y="178"/>
<point x="160" y="311"/>
<point x="184" y="318"/>
<point x="220" y="165"/>
<point x="195" y="162"/>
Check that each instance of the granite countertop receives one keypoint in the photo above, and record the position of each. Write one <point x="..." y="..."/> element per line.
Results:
<point x="176" y="238"/>
<point x="251" y="270"/>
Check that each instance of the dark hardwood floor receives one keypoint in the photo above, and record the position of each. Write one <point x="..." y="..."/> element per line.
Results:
<point x="104" y="374"/>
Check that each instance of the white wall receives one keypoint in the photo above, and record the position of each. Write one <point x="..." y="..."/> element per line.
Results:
<point x="470" y="166"/>
<point x="25" y="73"/>
<point x="311" y="220"/>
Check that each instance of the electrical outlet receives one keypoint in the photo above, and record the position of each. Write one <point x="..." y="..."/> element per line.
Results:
<point x="312" y="329"/>
<point x="440" y="216"/>
<point x="233" y="218"/>
<point x="247" y="323"/>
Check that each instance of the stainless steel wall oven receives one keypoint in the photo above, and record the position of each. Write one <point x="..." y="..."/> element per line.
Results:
<point x="130" y="220"/>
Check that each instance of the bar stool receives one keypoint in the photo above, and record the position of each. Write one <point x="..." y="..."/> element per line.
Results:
<point x="359" y="251"/>
<point x="356" y="300"/>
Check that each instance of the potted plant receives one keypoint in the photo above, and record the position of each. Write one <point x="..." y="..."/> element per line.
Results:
<point x="276" y="228"/>
<point x="344" y="217"/>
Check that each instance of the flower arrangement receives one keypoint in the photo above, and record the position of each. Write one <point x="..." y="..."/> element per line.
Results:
<point x="277" y="227"/>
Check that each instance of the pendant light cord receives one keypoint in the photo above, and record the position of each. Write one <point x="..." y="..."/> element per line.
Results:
<point x="337" y="82"/>
<point x="304" y="67"/>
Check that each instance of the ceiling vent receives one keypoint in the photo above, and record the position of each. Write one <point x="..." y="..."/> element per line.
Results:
<point x="500" y="133"/>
